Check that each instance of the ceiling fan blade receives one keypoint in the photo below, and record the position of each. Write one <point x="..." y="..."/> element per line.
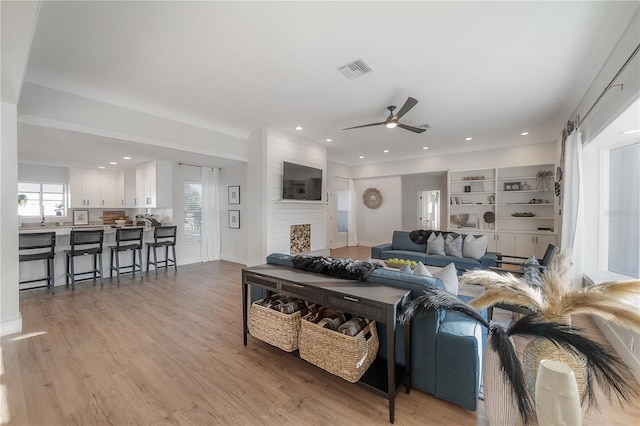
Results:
<point x="365" y="125"/>
<point x="411" y="128"/>
<point x="410" y="103"/>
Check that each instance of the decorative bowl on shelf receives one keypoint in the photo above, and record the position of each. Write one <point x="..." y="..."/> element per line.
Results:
<point x="121" y="222"/>
<point x="459" y="219"/>
<point x="523" y="214"/>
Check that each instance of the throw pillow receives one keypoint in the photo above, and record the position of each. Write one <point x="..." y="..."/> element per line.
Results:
<point x="453" y="245"/>
<point x="406" y="269"/>
<point x="532" y="274"/>
<point x="420" y="269"/>
<point x="475" y="246"/>
<point x="449" y="277"/>
<point x="435" y="244"/>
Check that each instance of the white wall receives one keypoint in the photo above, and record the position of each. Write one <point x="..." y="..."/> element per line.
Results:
<point x="375" y="226"/>
<point x="499" y="157"/>
<point x="269" y="219"/>
<point x="233" y="242"/>
<point x="10" y="319"/>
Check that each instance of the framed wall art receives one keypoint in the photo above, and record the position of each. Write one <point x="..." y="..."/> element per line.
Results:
<point x="234" y="219"/>
<point x="80" y="217"/>
<point x="234" y="194"/>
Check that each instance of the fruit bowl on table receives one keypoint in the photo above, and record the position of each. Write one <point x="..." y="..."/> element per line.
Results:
<point x="399" y="263"/>
<point x="121" y="222"/>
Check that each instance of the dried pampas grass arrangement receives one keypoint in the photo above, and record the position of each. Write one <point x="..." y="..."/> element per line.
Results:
<point x="557" y="298"/>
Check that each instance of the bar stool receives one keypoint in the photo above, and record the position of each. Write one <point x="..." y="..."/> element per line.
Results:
<point x="163" y="236"/>
<point x="39" y="246"/>
<point x="127" y="239"/>
<point x="84" y="243"/>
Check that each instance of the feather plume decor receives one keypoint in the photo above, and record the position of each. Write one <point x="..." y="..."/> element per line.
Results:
<point x="557" y="298"/>
<point x="601" y="366"/>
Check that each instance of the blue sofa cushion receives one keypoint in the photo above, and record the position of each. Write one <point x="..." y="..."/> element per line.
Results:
<point x="415" y="283"/>
<point x="402" y="241"/>
<point x="280" y="259"/>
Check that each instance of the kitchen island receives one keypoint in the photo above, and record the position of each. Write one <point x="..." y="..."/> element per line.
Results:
<point x="34" y="270"/>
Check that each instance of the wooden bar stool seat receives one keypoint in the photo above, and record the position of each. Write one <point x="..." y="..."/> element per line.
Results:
<point x="84" y="243"/>
<point x="39" y="246"/>
<point x="163" y="236"/>
<point x="127" y="239"/>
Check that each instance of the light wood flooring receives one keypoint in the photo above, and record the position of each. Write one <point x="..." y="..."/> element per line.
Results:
<point x="168" y="350"/>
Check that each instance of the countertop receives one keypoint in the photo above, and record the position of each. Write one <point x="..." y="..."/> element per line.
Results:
<point x="66" y="230"/>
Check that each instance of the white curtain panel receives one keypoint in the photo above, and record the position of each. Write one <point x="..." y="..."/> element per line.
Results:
<point x="210" y="245"/>
<point x="573" y="232"/>
<point x="352" y="235"/>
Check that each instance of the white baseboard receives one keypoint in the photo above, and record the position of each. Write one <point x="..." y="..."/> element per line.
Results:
<point x="338" y="245"/>
<point x="188" y="261"/>
<point x="11" y="326"/>
<point x="234" y="259"/>
<point x="367" y="244"/>
<point x="623" y="352"/>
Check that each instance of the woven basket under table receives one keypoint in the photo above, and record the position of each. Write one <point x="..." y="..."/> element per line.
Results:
<point x="347" y="357"/>
<point x="274" y="327"/>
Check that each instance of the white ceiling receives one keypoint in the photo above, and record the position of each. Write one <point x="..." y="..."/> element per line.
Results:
<point x="486" y="70"/>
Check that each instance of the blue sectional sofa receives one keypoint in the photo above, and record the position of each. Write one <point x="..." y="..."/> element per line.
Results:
<point x="402" y="247"/>
<point x="446" y="347"/>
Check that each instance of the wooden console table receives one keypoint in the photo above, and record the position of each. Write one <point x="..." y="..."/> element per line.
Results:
<point x="374" y="301"/>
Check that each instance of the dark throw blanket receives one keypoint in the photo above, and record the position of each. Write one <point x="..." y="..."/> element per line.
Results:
<point x="342" y="268"/>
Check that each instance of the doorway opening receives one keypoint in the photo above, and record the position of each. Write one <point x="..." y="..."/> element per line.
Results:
<point x="429" y="209"/>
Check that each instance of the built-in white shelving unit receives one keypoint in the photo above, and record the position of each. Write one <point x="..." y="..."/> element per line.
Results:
<point x="514" y="206"/>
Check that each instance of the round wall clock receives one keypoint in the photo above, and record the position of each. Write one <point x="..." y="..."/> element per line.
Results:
<point x="372" y="198"/>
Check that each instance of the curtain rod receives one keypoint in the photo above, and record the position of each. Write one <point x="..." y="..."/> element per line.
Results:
<point x="610" y="85"/>
<point x="197" y="165"/>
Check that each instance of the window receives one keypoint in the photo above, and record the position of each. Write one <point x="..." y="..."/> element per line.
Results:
<point x="623" y="212"/>
<point x="41" y="199"/>
<point x="342" y="208"/>
<point x="192" y="211"/>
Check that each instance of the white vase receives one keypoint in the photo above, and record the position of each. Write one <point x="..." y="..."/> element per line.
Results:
<point x="500" y="403"/>
<point x="557" y="397"/>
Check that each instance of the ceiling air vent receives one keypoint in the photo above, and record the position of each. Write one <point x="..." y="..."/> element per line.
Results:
<point x="355" y="69"/>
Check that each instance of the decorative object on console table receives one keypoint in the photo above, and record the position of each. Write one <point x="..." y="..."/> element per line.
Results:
<point x="234" y="194"/>
<point x="556" y="382"/>
<point x="234" y="219"/>
<point x="80" y="217"/>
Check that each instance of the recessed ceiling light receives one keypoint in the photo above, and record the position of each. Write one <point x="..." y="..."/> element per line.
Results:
<point x="468" y="139"/>
<point x="298" y="128"/>
<point x="101" y="167"/>
<point x="361" y="157"/>
<point x="113" y="163"/>
<point x="425" y="147"/>
<point x="630" y="132"/>
<point x="126" y="158"/>
<point x="524" y="133"/>
<point x="385" y="151"/>
<point x="329" y="140"/>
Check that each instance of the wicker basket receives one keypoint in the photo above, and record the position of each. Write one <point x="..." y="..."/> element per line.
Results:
<point x="345" y="356"/>
<point x="274" y="327"/>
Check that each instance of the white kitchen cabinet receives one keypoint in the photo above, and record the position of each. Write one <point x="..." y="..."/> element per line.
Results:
<point x="84" y="188"/>
<point x="108" y="180"/>
<point x="120" y="201"/>
<point x="130" y="200"/>
<point x="153" y="184"/>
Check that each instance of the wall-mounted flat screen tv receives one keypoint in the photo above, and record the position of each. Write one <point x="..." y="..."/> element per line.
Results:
<point x="301" y="182"/>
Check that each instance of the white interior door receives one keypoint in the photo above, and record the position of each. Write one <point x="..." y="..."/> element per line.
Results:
<point x="429" y="209"/>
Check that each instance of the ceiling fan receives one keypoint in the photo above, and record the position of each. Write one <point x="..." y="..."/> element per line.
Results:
<point x="392" y="120"/>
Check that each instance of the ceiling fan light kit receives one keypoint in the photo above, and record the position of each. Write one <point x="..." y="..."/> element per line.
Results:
<point x="393" y="119"/>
